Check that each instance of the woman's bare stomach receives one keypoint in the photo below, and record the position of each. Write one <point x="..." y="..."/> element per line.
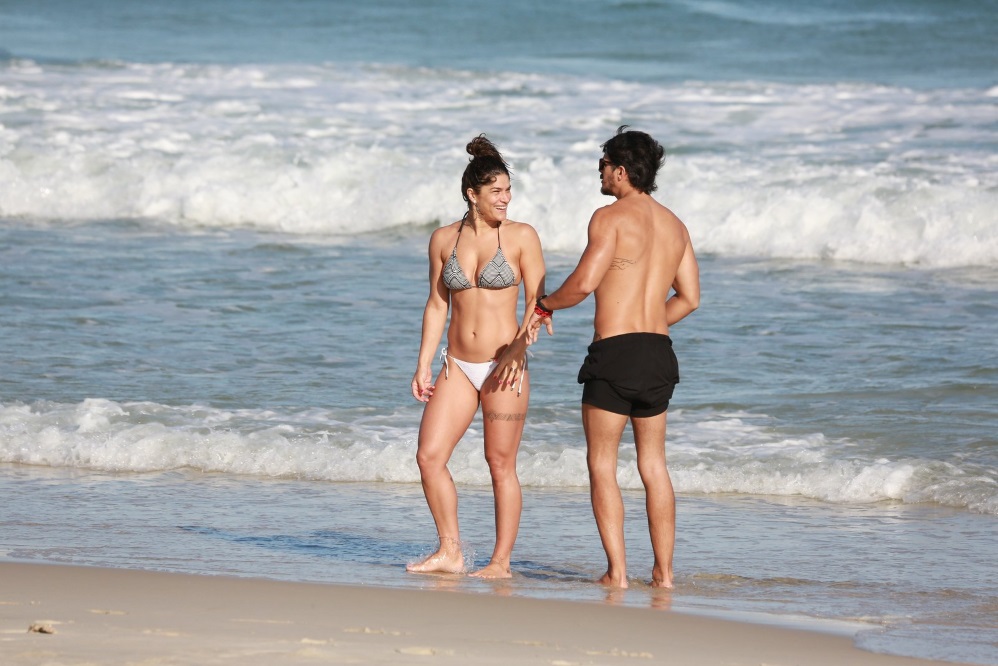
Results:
<point x="482" y="323"/>
<point x="481" y="343"/>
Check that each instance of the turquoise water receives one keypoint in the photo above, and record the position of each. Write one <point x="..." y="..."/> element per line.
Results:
<point x="924" y="44"/>
<point x="212" y="261"/>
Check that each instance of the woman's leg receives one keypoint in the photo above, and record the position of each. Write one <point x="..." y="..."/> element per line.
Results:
<point x="503" y="416"/>
<point x="446" y="417"/>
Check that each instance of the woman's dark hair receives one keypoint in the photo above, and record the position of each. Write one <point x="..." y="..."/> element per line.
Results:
<point x="639" y="154"/>
<point x="485" y="166"/>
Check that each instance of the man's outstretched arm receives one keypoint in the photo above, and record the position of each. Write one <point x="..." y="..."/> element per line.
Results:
<point x="589" y="272"/>
<point x="593" y="264"/>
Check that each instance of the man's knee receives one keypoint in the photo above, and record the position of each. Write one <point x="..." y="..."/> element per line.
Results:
<point x="602" y="468"/>
<point x="651" y="467"/>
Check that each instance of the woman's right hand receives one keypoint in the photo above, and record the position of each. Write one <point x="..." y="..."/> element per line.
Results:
<point x="422" y="388"/>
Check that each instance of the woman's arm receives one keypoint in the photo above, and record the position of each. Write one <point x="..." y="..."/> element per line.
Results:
<point x="434" y="320"/>
<point x="510" y="362"/>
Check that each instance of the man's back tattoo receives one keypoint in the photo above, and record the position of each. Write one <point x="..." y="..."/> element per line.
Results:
<point x="619" y="264"/>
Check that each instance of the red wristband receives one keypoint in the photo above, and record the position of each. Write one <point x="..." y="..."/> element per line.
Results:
<point x="542" y="313"/>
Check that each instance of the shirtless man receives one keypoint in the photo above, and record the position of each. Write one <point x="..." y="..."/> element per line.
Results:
<point x="637" y="250"/>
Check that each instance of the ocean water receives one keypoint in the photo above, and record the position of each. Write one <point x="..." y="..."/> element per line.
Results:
<point x="213" y="225"/>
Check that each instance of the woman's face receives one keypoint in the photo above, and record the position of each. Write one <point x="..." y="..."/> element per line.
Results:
<point x="492" y="199"/>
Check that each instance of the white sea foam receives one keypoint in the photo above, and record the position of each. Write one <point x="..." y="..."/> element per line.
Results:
<point x="709" y="453"/>
<point x="852" y="172"/>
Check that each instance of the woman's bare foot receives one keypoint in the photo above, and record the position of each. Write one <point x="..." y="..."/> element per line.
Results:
<point x="447" y="559"/>
<point x="494" y="569"/>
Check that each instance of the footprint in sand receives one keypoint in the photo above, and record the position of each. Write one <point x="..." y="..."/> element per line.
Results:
<point x="162" y="632"/>
<point x="369" y="630"/>
<point x="252" y="620"/>
<point x="616" y="652"/>
<point x="425" y="651"/>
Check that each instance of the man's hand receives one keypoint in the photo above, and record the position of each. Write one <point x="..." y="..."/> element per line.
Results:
<point x="534" y="325"/>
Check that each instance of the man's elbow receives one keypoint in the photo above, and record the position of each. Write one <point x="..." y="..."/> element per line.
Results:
<point x="583" y="290"/>
<point x="694" y="301"/>
<point x="683" y="305"/>
<point x="580" y="288"/>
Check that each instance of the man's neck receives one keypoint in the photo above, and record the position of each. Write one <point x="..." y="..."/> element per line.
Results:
<point x="626" y="191"/>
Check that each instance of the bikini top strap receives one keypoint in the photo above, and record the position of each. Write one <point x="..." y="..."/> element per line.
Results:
<point x="459" y="230"/>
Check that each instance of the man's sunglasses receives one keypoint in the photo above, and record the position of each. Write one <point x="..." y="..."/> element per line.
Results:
<point x="602" y="164"/>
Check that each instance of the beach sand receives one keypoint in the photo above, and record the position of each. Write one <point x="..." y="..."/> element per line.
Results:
<point x="115" y="616"/>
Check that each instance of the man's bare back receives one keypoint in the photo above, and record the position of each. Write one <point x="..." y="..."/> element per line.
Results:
<point x="649" y="243"/>
<point x="637" y="251"/>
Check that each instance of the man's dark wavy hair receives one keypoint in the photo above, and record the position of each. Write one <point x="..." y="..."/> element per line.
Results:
<point x="639" y="154"/>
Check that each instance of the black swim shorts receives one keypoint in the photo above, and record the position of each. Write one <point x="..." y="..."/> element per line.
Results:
<point x="632" y="374"/>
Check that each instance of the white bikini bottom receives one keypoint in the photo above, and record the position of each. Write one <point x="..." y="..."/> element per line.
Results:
<point x="477" y="373"/>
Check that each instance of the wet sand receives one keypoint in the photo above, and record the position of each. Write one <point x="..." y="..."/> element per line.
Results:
<point x="55" y="614"/>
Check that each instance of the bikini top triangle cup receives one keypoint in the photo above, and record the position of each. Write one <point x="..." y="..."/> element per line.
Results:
<point x="497" y="274"/>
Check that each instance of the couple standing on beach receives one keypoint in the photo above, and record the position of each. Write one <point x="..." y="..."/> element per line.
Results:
<point x="637" y="251"/>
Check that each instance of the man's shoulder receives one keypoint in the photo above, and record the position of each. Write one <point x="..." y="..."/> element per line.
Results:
<point x="623" y="210"/>
<point x="611" y="212"/>
<point x="670" y="218"/>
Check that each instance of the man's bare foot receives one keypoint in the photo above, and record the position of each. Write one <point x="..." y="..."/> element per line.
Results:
<point x="447" y="559"/>
<point x="493" y="569"/>
<point x="613" y="580"/>
<point x="662" y="579"/>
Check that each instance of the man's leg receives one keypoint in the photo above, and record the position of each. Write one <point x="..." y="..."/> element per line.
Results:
<point x="603" y="431"/>
<point x="660" y="500"/>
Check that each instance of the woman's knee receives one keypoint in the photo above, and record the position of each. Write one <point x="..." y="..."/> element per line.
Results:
<point x="429" y="460"/>
<point x="502" y="464"/>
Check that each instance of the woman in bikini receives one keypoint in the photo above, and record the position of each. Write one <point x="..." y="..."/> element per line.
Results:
<point x="477" y="265"/>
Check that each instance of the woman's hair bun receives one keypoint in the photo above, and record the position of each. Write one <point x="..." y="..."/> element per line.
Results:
<point x="484" y="167"/>
<point x="482" y="147"/>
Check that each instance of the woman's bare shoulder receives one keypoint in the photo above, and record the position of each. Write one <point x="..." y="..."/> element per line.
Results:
<point x="445" y="233"/>
<point x="520" y="230"/>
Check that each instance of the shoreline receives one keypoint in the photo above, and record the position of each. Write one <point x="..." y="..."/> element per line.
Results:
<point x="120" y="616"/>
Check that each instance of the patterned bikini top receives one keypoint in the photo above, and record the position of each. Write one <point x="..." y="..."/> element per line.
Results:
<point x="497" y="274"/>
